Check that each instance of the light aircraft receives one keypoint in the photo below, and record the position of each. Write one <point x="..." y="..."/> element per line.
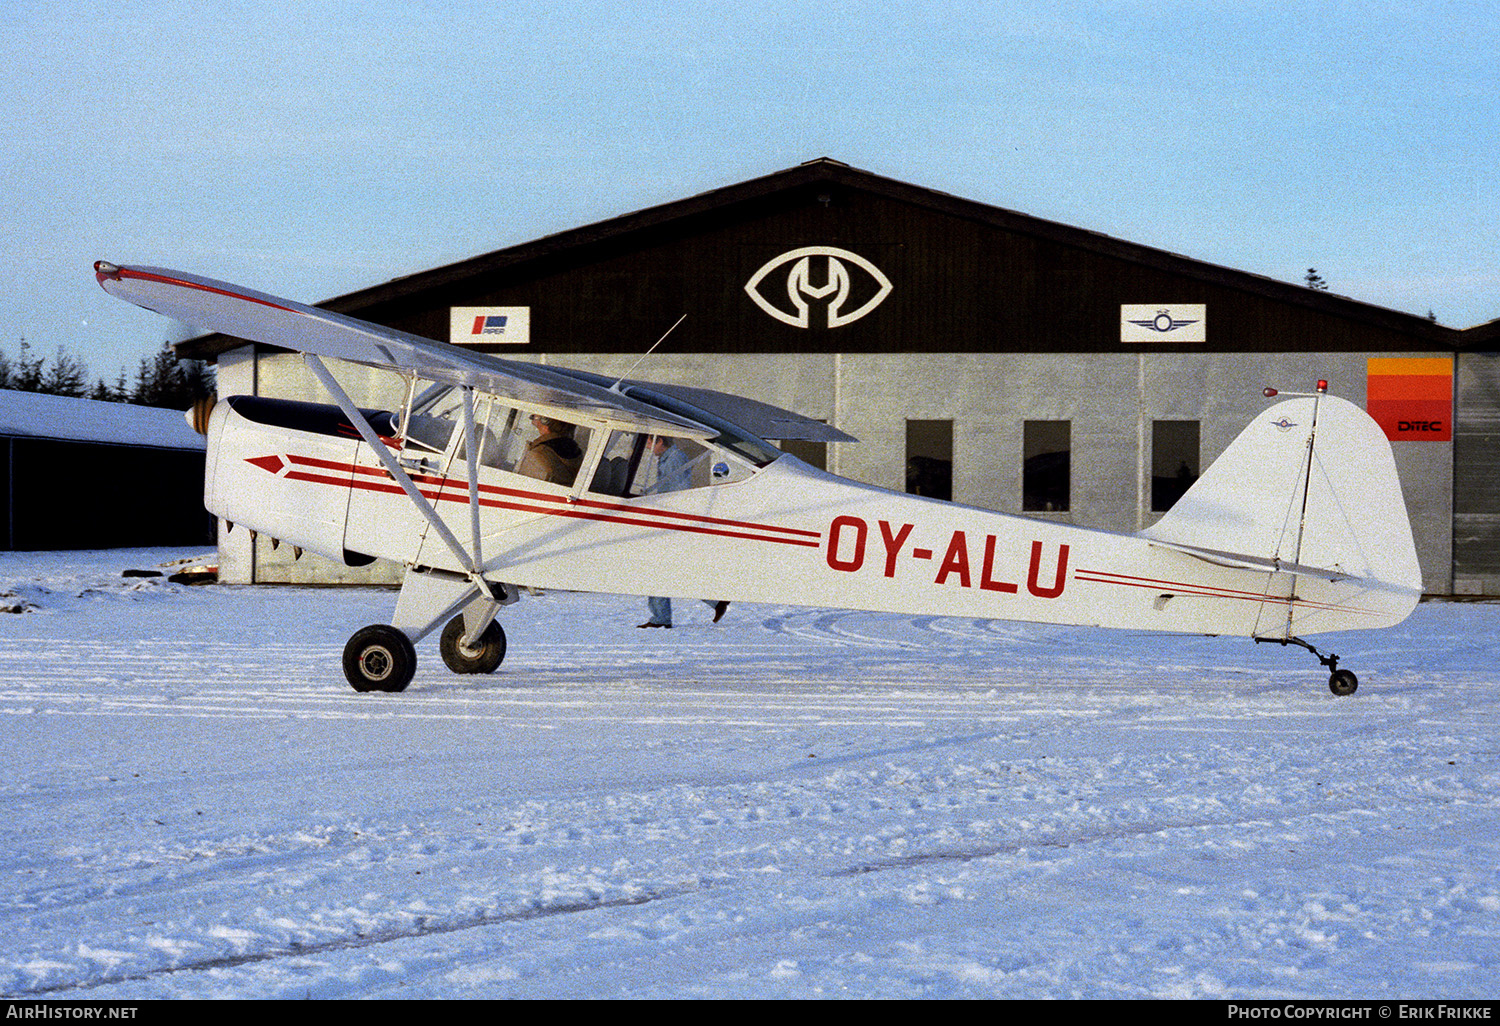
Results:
<point x="1298" y="528"/>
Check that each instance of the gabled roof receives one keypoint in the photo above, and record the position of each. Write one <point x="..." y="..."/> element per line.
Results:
<point x="825" y="171"/>
<point x="1481" y="338"/>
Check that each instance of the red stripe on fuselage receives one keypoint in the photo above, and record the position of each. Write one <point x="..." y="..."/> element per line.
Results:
<point x="443" y="489"/>
<point x="1209" y="591"/>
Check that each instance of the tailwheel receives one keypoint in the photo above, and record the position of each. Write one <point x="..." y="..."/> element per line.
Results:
<point x="379" y="658"/>
<point x="1342" y="683"/>
<point x="483" y="657"/>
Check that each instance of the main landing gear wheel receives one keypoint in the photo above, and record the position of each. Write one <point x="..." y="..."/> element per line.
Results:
<point x="1342" y="683"/>
<point x="482" y="658"/>
<point x="379" y="658"/>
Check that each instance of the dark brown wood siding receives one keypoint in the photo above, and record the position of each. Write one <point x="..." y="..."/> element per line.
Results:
<point x="960" y="284"/>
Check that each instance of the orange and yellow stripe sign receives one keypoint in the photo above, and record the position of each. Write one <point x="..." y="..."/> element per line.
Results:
<point x="1411" y="398"/>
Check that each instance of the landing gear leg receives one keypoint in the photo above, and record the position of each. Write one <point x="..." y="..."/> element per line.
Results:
<point x="1340" y="682"/>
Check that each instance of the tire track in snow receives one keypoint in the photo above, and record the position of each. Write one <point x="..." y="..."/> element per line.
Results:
<point x="827" y="627"/>
<point x="423" y="927"/>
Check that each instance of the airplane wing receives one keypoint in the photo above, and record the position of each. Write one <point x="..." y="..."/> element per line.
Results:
<point x="760" y="419"/>
<point x="244" y="313"/>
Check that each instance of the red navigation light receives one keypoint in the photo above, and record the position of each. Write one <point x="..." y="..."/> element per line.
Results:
<point x="1322" y="387"/>
<point x="1269" y="392"/>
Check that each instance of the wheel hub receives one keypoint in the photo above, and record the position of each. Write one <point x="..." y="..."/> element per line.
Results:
<point x="376" y="663"/>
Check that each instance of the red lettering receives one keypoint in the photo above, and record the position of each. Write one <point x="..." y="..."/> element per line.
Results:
<point x="1033" y="583"/>
<point x="987" y="580"/>
<point x="893" y="545"/>
<point x="956" y="560"/>
<point x="857" y="557"/>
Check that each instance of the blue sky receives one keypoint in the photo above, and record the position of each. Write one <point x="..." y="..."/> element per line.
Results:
<point x="313" y="148"/>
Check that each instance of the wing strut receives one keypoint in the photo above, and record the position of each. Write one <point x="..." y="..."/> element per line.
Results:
<point x="321" y="372"/>
<point x="471" y="452"/>
<point x="415" y="608"/>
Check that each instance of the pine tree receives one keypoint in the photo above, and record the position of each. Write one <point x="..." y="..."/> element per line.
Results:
<point x="164" y="380"/>
<point x="161" y="380"/>
<point x="66" y="376"/>
<point x="107" y="393"/>
<point x="26" y="373"/>
<point x="1314" y="280"/>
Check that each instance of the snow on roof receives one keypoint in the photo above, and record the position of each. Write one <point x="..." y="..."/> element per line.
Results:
<point x="34" y="415"/>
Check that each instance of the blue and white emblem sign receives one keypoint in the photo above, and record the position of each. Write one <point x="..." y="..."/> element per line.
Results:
<point x="1163" y="322"/>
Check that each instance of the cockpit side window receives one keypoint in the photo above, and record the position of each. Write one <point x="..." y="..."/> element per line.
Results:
<point x="554" y="449"/>
<point x="731" y="437"/>
<point x="428" y="423"/>
<point x="635" y="463"/>
<point x="530" y="444"/>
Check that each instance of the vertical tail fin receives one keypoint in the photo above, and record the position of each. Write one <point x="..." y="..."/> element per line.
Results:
<point x="1308" y="489"/>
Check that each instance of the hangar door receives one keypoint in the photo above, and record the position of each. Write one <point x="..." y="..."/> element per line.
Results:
<point x="1476" y="475"/>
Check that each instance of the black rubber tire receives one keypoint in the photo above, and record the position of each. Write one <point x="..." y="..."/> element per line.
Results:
<point x="487" y="657"/>
<point x="1343" y="683"/>
<point x="379" y="658"/>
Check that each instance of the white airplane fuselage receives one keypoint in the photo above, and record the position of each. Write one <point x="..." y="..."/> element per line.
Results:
<point x="787" y="533"/>
<point x="508" y="472"/>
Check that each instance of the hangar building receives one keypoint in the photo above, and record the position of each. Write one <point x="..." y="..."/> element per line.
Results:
<point x="83" y="474"/>
<point x="978" y="354"/>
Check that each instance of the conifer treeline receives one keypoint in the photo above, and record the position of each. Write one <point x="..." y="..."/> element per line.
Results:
<point x="160" y="380"/>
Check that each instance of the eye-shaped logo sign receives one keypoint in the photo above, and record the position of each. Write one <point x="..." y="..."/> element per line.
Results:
<point x="845" y="283"/>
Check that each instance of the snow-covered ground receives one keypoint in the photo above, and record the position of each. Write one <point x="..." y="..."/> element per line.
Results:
<point x="793" y="803"/>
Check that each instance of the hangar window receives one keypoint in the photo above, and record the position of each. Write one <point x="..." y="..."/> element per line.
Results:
<point x="1175" y="462"/>
<point x="929" y="458"/>
<point x="1046" y="468"/>
<point x="814" y="454"/>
